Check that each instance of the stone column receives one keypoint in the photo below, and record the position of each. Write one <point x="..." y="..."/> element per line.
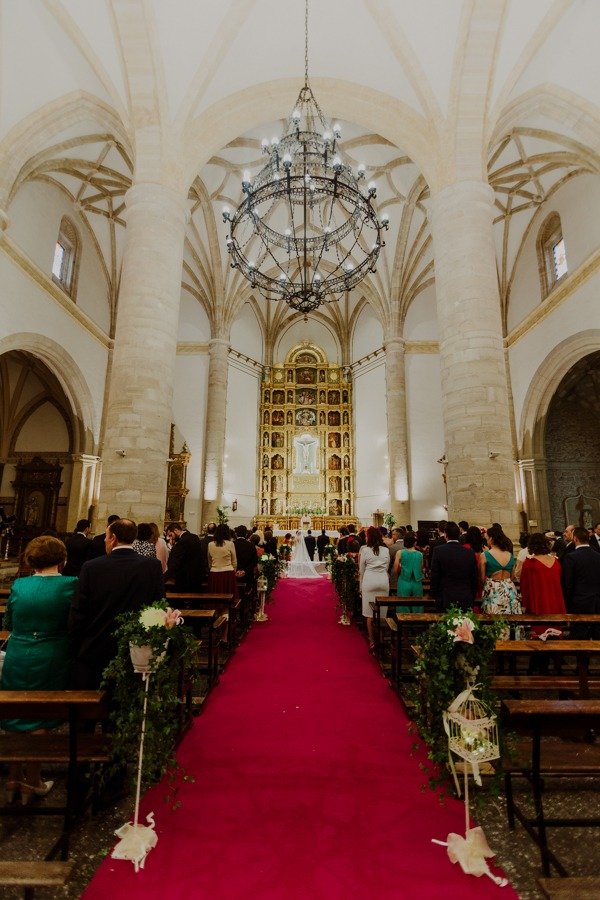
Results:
<point x="395" y="384"/>
<point x="82" y="488"/>
<point x="139" y="408"/>
<point x="216" y="409"/>
<point x="481" y="481"/>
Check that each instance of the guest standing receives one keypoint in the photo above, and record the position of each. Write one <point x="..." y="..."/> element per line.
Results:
<point x="454" y="577"/>
<point x="322" y="542"/>
<point x="581" y="584"/>
<point x="496" y="567"/>
<point x="185" y="569"/>
<point x="373" y="564"/>
<point x="541" y="590"/>
<point x="98" y="543"/>
<point x="160" y="545"/>
<point x="143" y="544"/>
<point x="37" y="653"/>
<point x="474" y="541"/>
<point x="78" y="547"/>
<point x="408" y="566"/>
<point x="222" y="560"/>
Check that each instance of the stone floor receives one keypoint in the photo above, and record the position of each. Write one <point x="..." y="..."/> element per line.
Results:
<point x="577" y="848"/>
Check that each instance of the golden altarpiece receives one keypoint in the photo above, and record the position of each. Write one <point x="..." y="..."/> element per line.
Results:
<point x="306" y="454"/>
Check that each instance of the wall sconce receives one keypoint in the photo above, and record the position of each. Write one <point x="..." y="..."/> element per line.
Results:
<point x="493" y="454"/>
<point x="233" y="505"/>
<point x="443" y="460"/>
<point x="121" y="453"/>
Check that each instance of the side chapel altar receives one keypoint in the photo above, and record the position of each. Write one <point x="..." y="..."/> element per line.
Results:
<point x="306" y="455"/>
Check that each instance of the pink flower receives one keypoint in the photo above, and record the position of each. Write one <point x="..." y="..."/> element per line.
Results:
<point x="173" y="617"/>
<point x="463" y="632"/>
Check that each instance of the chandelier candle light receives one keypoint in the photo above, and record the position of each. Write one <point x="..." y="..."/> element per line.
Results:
<point x="306" y="231"/>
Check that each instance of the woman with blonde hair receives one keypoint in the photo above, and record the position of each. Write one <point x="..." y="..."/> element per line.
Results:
<point x="373" y="565"/>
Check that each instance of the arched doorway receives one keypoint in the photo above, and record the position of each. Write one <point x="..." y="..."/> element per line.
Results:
<point x="571" y="445"/>
<point x="39" y="437"/>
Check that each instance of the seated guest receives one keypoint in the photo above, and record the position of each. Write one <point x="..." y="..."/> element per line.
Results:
<point x="223" y="563"/>
<point x="143" y="544"/>
<point x="78" y="547"/>
<point x="37" y="653"/>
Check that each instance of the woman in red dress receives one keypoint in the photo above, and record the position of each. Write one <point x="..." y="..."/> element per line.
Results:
<point x="541" y="591"/>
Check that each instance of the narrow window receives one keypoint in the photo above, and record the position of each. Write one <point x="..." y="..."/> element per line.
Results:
<point x="552" y="257"/>
<point x="66" y="257"/>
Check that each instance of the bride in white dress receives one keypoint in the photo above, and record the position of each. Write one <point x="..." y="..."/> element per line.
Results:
<point x="300" y="564"/>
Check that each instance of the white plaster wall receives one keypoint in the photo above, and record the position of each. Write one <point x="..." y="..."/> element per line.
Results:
<point x="26" y="308"/>
<point x="246" y="335"/>
<point x="314" y="331"/>
<point x="45" y="431"/>
<point x="577" y="204"/>
<point x="194" y="326"/>
<point x="239" y="470"/>
<point x="35" y="215"/>
<point x="425" y="436"/>
<point x="579" y="312"/>
<point x="367" y="335"/>
<point x="370" y="423"/>
<point x="189" y="416"/>
<point x="420" y="323"/>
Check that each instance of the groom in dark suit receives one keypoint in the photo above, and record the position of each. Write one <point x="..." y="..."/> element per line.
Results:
<point x="311" y="542"/>
<point x="454" y="576"/>
<point x="120" y="581"/>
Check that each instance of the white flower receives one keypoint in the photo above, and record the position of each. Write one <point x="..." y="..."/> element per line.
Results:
<point x="152" y="616"/>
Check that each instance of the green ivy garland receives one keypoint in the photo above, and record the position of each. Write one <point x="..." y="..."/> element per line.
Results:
<point x="443" y="667"/>
<point x="344" y="576"/>
<point x="270" y="567"/>
<point x="175" y="652"/>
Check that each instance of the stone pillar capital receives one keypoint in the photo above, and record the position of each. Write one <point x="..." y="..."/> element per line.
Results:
<point x="151" y="196"/>
<point x="394" y="344"/>
<point x="218" y="344"/>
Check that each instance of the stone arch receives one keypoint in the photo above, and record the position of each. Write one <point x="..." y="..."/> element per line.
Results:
<point x="383" y="114"/>
<point x="544" y="385"/>
<point x="32" y="135"/>
<point x="71" y="379"/>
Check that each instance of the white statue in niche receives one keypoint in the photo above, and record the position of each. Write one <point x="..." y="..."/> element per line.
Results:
<point x="306" y="448"/>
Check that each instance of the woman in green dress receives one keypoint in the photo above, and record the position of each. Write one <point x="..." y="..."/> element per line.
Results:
<point x="37" y="657"/>
<point x="409" y="565"/>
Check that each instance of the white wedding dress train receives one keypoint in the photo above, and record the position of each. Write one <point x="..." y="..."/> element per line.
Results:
<point x="300" y="564"/>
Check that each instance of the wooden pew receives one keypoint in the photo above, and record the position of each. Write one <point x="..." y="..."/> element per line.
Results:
<point x="224" y="604"/>
<point x="586" y="887"/>
<point x="583" y="651"/>
<point x="34" y="874"/>
<point x="72" y="748"/>
<point x="393" y="601"/>
<point x="536" y="759"/>
<point x="203" y="622"/>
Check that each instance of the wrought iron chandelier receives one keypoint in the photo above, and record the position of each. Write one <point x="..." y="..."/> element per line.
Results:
<point x="305" y="231"/>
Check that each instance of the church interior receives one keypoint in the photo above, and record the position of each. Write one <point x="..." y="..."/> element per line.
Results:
<point x="136" y="361"/>
<point x="152" y="367"/>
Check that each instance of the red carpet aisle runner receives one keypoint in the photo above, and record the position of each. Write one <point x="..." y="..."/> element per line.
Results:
<point x="305" y="785"/>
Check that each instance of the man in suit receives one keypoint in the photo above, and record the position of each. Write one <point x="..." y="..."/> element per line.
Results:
<point x="565" y="543"/>
<point x="581" y="584"/>
<point x="120" y="581"/>
<point x="322" y="541"/>
<point x="595" y="538"/>
<point x="454" y="577"/>
<point x="247" y="557"/>
<point x="204" y="542"/>
<point x="78" y="548"/>
<point x="185" y="571"/>
<point x="97" y="545"/>
<point x="311" y="543"/>
<point x="395" y="545"/>
<point x="342" y="541"/>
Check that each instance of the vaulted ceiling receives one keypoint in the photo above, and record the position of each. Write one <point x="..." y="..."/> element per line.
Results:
<point x="95" y="94"/>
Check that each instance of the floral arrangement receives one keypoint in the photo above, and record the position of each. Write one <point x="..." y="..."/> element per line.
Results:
<point x="344" y="577"/>
<point x="175" y="662"/>
<point x="270" y="567"/>
<point x="305" y="510"/>
<point x="329" y="554"/>
<point x="285" y="552"/>
<point x="453" y="652"/>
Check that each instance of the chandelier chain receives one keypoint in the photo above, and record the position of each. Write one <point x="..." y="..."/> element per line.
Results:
<point x="306" y="44"/>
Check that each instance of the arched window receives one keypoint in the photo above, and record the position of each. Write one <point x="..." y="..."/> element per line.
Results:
<point x="65" y="264"/>
<point x="552" y="258"/>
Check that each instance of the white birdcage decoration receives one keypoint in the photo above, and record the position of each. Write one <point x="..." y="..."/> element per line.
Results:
<point x="472" y="730"/>
<point x="261" y="588"/>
